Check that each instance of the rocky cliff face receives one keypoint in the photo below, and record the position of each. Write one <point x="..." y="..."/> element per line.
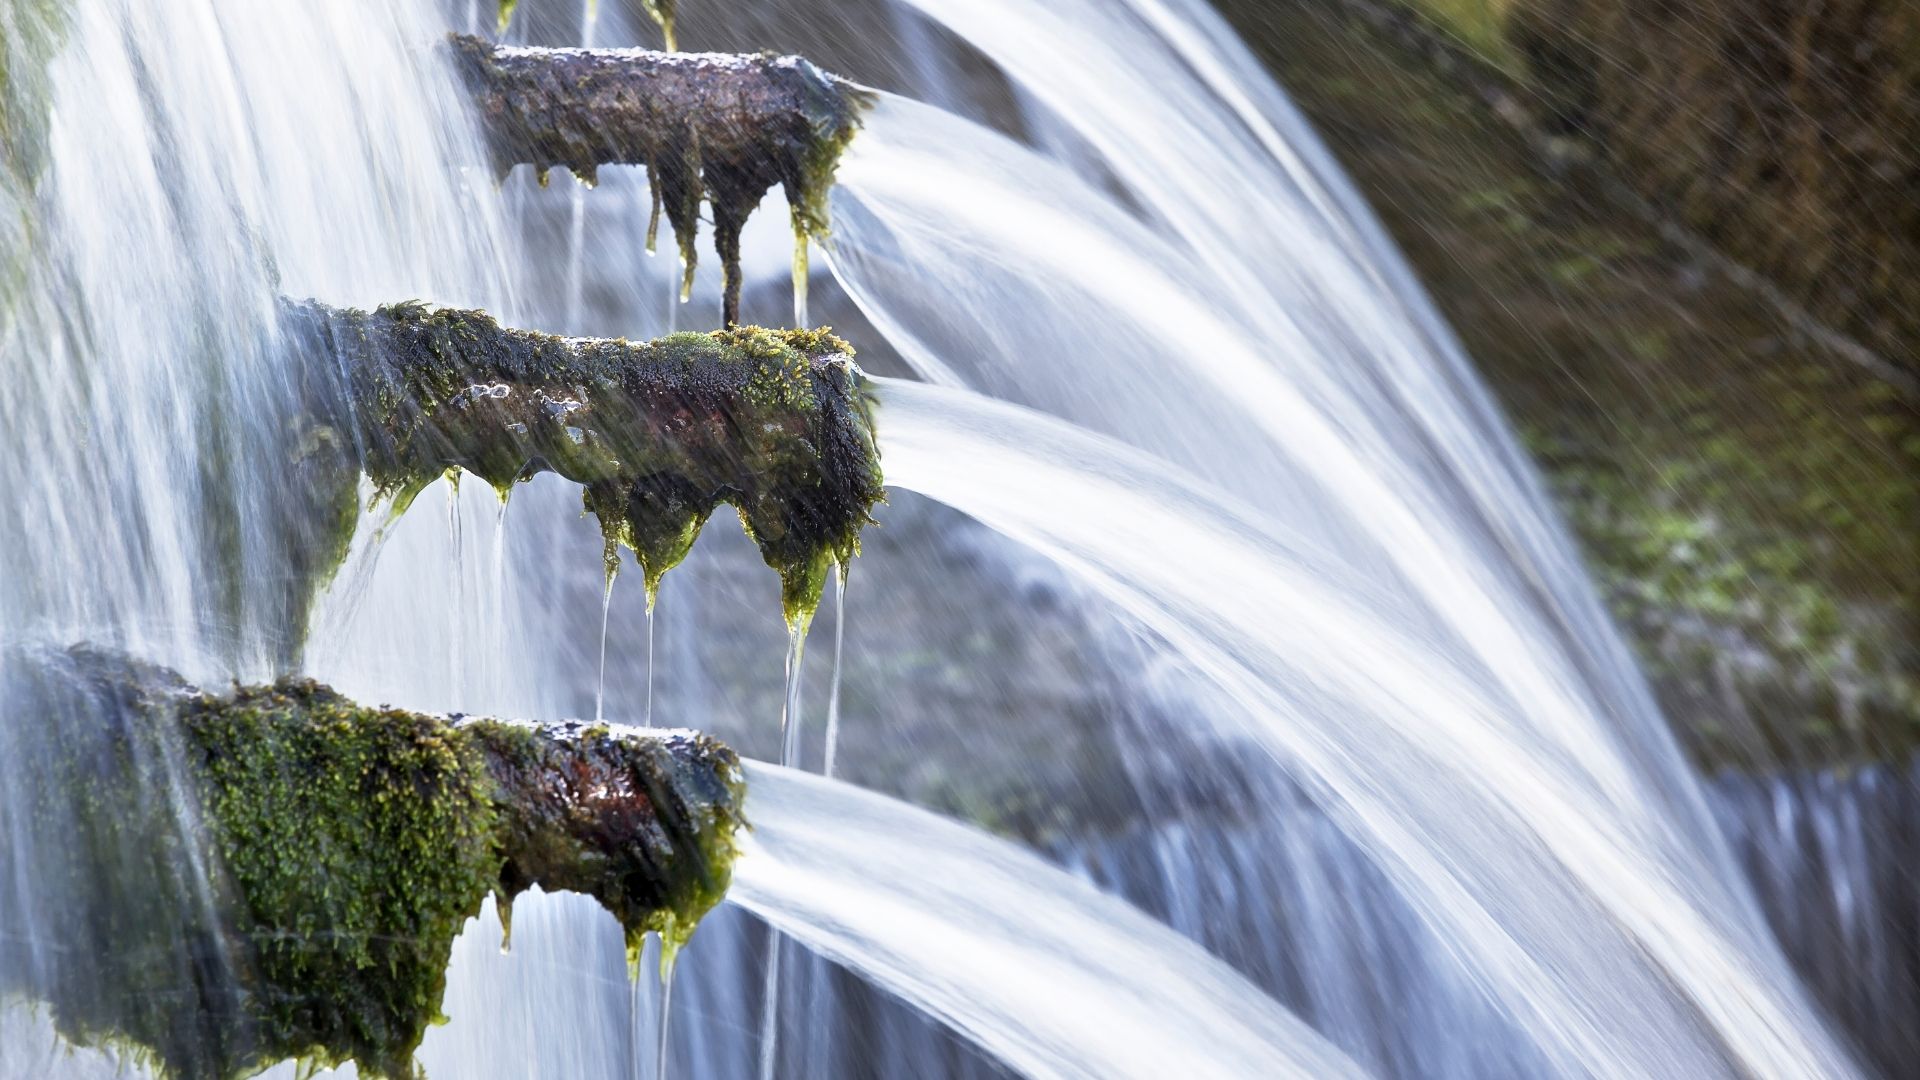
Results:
<point x="1744" y="480"/>
<point x="1787" y="134"/>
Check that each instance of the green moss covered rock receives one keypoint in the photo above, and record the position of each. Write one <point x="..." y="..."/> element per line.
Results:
<point x="718" y="127"/>
<point x="222" y="882"/>
<point x="773" y="422"/>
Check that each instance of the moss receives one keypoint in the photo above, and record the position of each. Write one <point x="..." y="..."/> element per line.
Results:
<point x="358" y="841"/>
<point x="720" y="128"/>
<point x="1745" y="493"/>
<point x="660" y="434"/>
<point x="279" y="873"/>
<point x="1479" y="25"/>
<point x="663" y="13"/>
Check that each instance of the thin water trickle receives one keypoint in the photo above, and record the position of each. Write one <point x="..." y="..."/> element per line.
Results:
<point x="770" y="1007"/>
<point x="790" y="708"/>
<point x="606" y="614"/>
<point x="790" y="747"/>
<point x="456" y="644"/>
<point x="662" y="1027"/>
<point x="650" y="631"/>
<point x="841" y="571"/>
<point x="635" y="1037"/>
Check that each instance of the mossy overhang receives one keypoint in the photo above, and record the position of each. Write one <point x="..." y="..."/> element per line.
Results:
<point x="219" y="882"/>
<point x="716" y="126"/>
<point x="776" y="423"/>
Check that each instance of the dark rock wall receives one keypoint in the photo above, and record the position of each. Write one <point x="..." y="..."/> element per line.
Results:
<point x="1745" y="488"/>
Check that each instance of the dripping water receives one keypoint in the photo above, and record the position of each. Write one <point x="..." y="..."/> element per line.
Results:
<point x="577" y="210"/>
<point x="841" y="570"/>
<point x="770" y="1007"/>
<point x="800" y="272"/>
<point x="456" y="646"/>
<point x="606" y="614"/>
<point x="790" y="708"/>
<point x="790" y="758"/>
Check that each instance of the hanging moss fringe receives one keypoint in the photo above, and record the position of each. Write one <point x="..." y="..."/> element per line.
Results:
<point x="223" y="882"/>
<point x="660" y="433"/>
<point x="719" y="127"/>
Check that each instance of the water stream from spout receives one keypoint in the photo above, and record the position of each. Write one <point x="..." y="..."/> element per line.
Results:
<point x="1038" y="968"/>
<point x="1498" y="834"/>
<point x="1401" y="627"/>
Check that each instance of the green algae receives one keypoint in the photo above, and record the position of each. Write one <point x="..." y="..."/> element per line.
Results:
<point x="646" y="827"/>
<point x="775" y="423"/>
<point x="279" y="873"/>
<point x="715" y="128"/>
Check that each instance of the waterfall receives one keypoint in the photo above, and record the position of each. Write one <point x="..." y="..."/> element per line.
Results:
<point x="1183" y="365"/>
<point x="1502" y="836"/>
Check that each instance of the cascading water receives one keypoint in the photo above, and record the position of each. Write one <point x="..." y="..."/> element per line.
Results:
<point x="1321" y="678"/>
<point x="987" y="939"/>
<point x="1398" y="630"/>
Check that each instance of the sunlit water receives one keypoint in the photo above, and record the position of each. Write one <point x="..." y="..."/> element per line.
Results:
<point x="1041" y="970"/>
<point x="1277" y="464"/>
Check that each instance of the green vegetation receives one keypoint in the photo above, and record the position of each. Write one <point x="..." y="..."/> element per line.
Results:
<point x="1478" y="25"/>
<point x="1747" y="496"/>
<point x="1784" y="134"/>
<point x="279" y="873"/>
<point x="723" y="129"/>
<point x="663" y="12"/>
<point x="660" y="434"/>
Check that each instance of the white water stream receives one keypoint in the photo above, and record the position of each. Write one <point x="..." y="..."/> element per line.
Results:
<point x="1040" y="969"/>
<point x="1262" y="446"/>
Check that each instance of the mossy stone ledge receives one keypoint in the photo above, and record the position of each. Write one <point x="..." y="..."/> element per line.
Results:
<point x="721" y="127"/>
<point x="218" y="882"/>
<point x="660" y="434"/>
